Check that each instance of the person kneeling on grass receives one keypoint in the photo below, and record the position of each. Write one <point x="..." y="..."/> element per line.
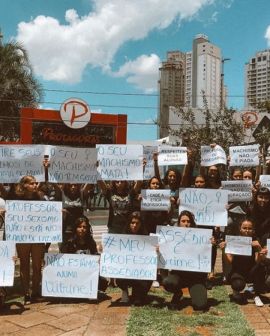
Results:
<point x="140" y="288"/>
<point x="82" y="242"/>
<point x="195" y="281"/>
<point x="245" y="268"/>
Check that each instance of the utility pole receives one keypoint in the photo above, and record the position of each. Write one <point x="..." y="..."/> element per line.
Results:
<point x="1" y="37"/>
<point x="222" y="82"/>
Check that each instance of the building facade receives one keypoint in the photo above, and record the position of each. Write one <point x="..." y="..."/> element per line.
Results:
<point x="257" y="79"/>
<point x="171" y="87"/>
<point x="186" y="77"/>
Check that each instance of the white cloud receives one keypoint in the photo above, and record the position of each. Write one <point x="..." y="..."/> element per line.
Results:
<point x="142" y="72"/>
<point x="61" y="52"/>
<point x="267" y="35"/>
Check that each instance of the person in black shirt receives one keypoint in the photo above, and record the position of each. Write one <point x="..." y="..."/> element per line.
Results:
<point x="83" y="242"/>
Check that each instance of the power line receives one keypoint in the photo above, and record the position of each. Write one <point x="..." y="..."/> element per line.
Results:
<point x="92" y="105"/>
<point x="103" y="93"/>
<point x="130" y="93"/>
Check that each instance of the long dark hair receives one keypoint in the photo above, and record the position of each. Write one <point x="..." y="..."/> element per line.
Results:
<point x="20" y="190"/>
<point x="89" y="230"/>
<point x="114" y="189"/>
<point x="189" y="215"/>
<point x="154" y="177"/>
<point x="142" y="230"/>
<point x="177" y="174"/>
<point x="66" y="190"/>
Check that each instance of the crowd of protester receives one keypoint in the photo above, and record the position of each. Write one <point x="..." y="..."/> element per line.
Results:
<point x="251" y="219"/>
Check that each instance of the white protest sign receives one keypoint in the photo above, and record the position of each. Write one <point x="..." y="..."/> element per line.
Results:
<point x="17" y="161"/>
<point x="33" y="221"/>
<point x="265" y="181"/>
<point x="207" y="205"/>
<point x="239" y="245"/>
<point x="72" y="164"/>
<point x="70" y="275"/>
<point x="186" y="249"/>
<point x="149" y="170"/>
<point x="155" y="199"/>
<point x="120" y="162"/>
<point x="212" y="156"/>
<point x="7" y="265"/>
<point x="129" y="257"/>
<point x="239" y="191"/>
<point x="172" y="155"/>
<point x="246" y="156"/>
<point x="268" y="249"/>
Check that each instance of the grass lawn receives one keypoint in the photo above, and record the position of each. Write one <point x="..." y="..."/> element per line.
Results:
<point x="155" y="319"/>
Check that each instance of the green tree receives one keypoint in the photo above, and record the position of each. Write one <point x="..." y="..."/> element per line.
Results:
<point x="18" y="86"/>
<point x="219" y="127"/>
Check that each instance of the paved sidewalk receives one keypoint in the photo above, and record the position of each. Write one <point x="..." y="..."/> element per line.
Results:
<point x="258" y="318"/>
<point x="66" y="318"/>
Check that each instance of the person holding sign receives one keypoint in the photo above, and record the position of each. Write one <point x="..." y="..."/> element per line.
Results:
<point x="72" y="199"/>
<point x="264" y="265"/>
<point x="82" y="242"/>
<point x="27" y="189"/>
<point x="195" y="281"/>
<point x="213" y="177"/>
<point x="173" y="180"/>
<point x="119" y="196"/>
<point x="260" y="211"/>
<point x="154" y="218"/>
<point x="244" y="267"/>
<point x="140" y="288"/>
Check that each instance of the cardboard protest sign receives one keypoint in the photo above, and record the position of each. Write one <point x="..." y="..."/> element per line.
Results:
<point x="186" y="249"/>
<point x="155" y="199"/>
<point x="207" y="205"/>
<point x="268" y="249"/>
<point x="239" y="191"/>
<point x="120" y="162"/>
<point x="72" y="164"/>
<point x="212" y="156"/>
<point x="265" y="181"/>
<point x="239" y="245"/>
<point x="129" y="257"/>
<point x="33" y="221"/>
<point x="172" y="155"/>
<point x="70" y="275"/>
<point x="17" y="161"/>
<point x="246" y="156"/>
<point x="7" y="265"/>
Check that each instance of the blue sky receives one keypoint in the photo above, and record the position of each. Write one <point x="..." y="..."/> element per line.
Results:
<point x="116" y="46"/>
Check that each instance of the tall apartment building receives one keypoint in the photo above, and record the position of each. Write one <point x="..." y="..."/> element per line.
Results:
<point x="257" y="79"/>
<point x="200" y="72"/>
<point x="206" y="73"/>
<point x="171" y="87"/>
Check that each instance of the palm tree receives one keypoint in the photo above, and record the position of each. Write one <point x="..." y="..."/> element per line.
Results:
<point x="18" y="86"/>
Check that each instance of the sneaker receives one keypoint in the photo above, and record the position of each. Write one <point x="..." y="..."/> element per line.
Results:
<point x="258" y="301"/>
<point x="155" y="284"/>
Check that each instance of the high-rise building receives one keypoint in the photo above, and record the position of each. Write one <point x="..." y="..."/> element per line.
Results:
<point x="171" y="87"/>
<point x="206" y="73"/>
<point x="257" y="79"/>
<point x="186" y="77"/>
